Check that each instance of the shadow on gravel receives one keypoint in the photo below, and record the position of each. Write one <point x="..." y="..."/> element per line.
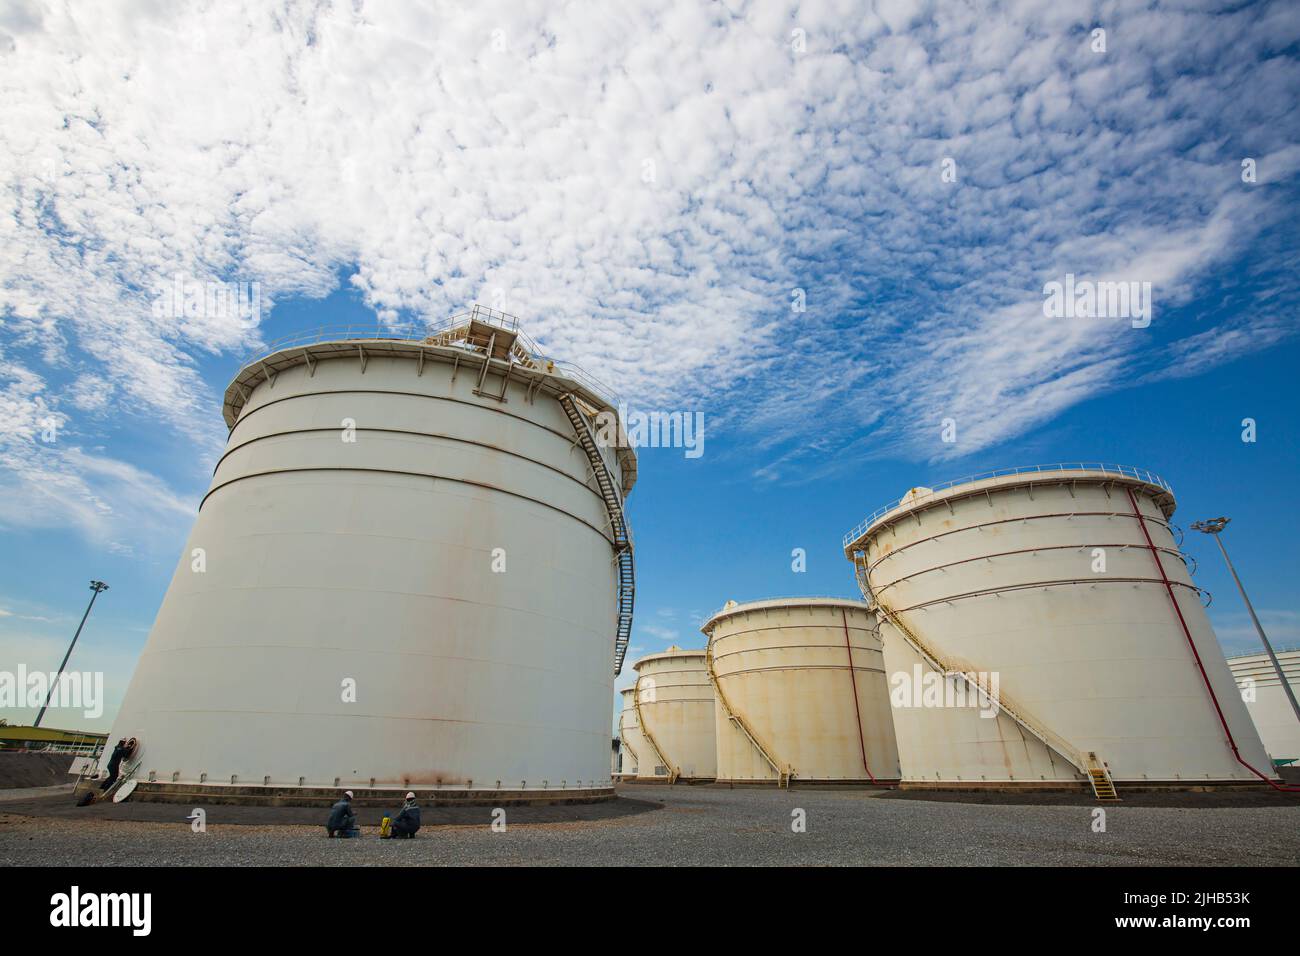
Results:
<point x="61" y="807"/>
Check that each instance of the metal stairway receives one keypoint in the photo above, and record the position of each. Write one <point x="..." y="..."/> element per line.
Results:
<point x="1093" y="769"/>
<point x="673" y="772"/>
<point x="618" y="526"/>
<point x="1103" y="787"/>
<point x="783" y="774"/>
<point x="628" y="747"/>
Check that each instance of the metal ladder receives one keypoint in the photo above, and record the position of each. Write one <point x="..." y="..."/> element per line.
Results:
<point x="1103" y="786"/>
<point x="783" y="774"/>
<point x="628" y="747"/>
<point x="673" y="772"/>
<point x="618" y="526"/>
<point x="1093" y="769"/>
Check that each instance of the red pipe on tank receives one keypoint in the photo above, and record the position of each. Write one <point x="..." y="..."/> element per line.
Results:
<point x="1195" y="653"/>
<point x="856" y="708"/>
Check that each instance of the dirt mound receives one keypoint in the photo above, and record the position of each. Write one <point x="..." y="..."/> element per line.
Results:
<point x="33" y="770"/>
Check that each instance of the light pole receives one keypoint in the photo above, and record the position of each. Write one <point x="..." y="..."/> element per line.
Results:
<point x="96" y="586"/>
<point x="1214" y="526"/>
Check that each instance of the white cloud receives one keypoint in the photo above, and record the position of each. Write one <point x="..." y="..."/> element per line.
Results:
<point x="499" y="152"/>
<point x="47" y="480"/>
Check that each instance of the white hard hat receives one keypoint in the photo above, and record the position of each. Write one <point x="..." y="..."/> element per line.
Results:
<point x="348" y="794"/>
<point x="410" y="795"/>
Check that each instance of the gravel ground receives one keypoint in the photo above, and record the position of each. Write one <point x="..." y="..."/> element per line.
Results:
<point x="702" y="826"/>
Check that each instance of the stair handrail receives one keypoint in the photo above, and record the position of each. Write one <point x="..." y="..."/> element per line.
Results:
<point x="783" y="776"/>
<point x="608" y="489"/>
<point x="673" y="772"/>
<point x="1047" y="737"/>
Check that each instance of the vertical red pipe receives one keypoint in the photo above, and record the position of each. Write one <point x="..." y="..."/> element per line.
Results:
<point x="1142" y="523"/>
<point x="856" y="707"/>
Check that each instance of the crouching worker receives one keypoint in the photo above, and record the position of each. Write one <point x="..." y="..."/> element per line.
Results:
<point x="342" y="821"/>
<point x="407" y="820"/>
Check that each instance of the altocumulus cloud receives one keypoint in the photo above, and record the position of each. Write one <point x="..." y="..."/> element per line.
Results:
<point x="646" y="183"/>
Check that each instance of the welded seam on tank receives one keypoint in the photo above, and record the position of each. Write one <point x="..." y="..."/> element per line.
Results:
<point x="783" y="776"/>
<point x="409" y="474"/>
<point x="659" y="699"/>
<point x="672" y="772"/>
<point x="988" y="524"/>
<point x="790" y="647"/>
<point x="801" y="667"/>
<point x="791" y="627"/>
<point x="402" y="431"/>
<point x="539" y="672"/>
<point x="1003" y="554"/>
<point x="658" y="671"/>
<point x="894" y="515"/>
<point x="251" y="375"/>
<point x="248" y="413"/>
<point x="755" y="607"/>
<point x="1012" y="708"/>
<point x="1042" y="584"/>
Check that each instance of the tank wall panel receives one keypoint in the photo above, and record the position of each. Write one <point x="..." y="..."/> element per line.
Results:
<point x="1055" y="589"/>
<point x="785" y="671"/>
<point x="321" y="576"/>
<point x="676" y="707"/>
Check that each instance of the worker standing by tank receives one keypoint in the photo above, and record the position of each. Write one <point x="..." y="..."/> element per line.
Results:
<point x="343" y="821"/>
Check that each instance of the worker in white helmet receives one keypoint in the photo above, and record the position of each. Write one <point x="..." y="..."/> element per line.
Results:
<point x="407" y="821"/>
<point x="342" y="821"/>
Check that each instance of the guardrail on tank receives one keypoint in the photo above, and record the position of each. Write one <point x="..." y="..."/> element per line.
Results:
<point x="419" y="332"/>
<point x="1123" y="471"/>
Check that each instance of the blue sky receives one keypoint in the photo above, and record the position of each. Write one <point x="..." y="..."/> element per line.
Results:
<point x="647" y="187"/>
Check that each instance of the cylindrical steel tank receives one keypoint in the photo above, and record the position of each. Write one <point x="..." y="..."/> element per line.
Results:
<point x="632" y="744"/>
<point x="403" y="576"/>
<point x="674" y="708"/>
<point x="1269" y="708"/>
<point x="801" y="692"/>
<point x="1061" y="591"/>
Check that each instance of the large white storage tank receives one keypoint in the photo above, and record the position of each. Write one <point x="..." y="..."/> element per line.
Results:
<point x="411" y="570"/>
<point x="632" y="744"/>
<point x="1062" y="589"/>
<point x="1269" y="708"/>
<point x="674" y="709"/>
<point x="801" y="693"/>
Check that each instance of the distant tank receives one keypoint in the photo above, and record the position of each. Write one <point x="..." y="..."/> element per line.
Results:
<point x="632" y="744"/>
<point x="1269" y="708"/>
<point x="412" y="570"/>
<point x="1060" y="595"/>
<point x="801" y="693"/>
<point x="674" y="708"/>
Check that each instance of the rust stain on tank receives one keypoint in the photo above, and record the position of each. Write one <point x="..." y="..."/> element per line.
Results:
<point x="424" y="778"/>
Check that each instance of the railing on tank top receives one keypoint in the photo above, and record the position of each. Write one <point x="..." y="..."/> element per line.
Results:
<point x="1123" y="471"/>
<point x="422" y="332"/>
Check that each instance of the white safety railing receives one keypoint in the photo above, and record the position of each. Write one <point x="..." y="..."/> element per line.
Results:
<point x="1123" y="471"/>
<point x="419" y="332"/>
<point x="769" y="602"/>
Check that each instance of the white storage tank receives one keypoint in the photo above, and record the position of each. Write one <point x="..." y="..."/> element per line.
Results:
<point x="674" y="708"/>
<point x="1061" y="591"/>
<point x="411" y="571"/>
<point x="632" y="744"/>
<point x="1269" y="708"/>
<point x="801" y="693"/>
